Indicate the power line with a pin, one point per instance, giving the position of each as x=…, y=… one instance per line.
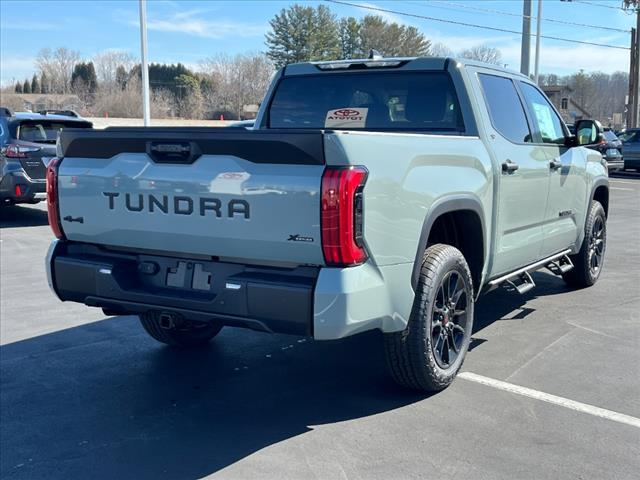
x=472, y=25
x=595, y=4
x=437, y=4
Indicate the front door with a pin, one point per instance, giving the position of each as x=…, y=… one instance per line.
x=523, y=183
x=565, y=210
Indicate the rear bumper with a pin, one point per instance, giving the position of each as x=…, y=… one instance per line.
x=326, y=303
x=631, y=162
x=29, y=190
x=268, y=299
x=614, y=163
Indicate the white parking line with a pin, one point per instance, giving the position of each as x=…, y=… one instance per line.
x=621, y=188
x=546, y=397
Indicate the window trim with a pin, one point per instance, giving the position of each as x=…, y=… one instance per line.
x=522, y=104
x=537, y=133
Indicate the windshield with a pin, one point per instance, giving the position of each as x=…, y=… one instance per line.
x=45, y=131
x=368, y=101
x=610, y=136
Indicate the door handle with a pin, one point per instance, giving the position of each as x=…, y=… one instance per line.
x=555, y=164
x=509, y=167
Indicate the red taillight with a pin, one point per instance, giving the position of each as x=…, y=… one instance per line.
x=14, y=151
x=52, y=198
x=18, y=190
x=342, y=216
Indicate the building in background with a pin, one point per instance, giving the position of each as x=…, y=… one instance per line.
x=561, y=97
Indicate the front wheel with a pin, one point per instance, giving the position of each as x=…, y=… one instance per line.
x=184, y=334
x=428, y=353
x=588, y=262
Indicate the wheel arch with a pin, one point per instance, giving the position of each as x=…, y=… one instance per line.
x=465, y=211
x=600, y=193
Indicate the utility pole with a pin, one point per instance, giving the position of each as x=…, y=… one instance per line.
x=636, y=73
x=525, y=50
x=633, y=102
x=146, y=111
x=632, y=80
x=537, y=61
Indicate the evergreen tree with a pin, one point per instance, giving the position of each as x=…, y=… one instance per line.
x=18, y=87
x=350, y=38
x=44, y=83
x=392, y=39
x=26, y=87
x=121, y=77
x=35, y=85
x=301, y=33
x=84, y=76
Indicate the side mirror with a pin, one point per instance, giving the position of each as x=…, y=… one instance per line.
x=588, y=132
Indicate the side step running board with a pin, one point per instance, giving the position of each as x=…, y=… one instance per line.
x=521, y=279
x=560, y=266
x=523, y=283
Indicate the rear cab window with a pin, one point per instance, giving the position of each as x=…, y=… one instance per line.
x=505, y=108
x=377, y=101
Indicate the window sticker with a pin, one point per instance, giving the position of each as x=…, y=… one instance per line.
x=545, y=122
x=347, y=117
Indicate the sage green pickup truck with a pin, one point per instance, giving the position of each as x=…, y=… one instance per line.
x=382, y=193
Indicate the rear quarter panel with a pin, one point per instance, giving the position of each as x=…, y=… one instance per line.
x=408, y=173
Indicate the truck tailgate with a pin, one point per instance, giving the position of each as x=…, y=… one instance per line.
x=238, y=195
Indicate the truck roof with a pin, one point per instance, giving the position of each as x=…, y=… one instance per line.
x=407, y=63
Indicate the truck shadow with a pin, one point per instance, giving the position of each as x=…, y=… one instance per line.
x=103, y=400
x=22, y=216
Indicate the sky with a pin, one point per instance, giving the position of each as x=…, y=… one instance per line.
x=189, y=31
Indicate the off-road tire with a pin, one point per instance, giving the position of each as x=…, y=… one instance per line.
x=410, y=354
x=583, y=274
x=189, y=334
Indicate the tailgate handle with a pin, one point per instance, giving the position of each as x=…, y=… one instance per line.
x=173, y=152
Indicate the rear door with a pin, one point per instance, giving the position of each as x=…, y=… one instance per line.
x=523, y=180
x=565, y=210
x=233, y=194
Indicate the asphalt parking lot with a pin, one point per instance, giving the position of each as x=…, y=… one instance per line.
x=84, y=396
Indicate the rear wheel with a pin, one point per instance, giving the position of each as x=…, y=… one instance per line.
x=588, y=262
x=178, y=333
x=429, y=352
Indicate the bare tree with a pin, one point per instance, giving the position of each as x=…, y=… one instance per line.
x=57, y=65
x=440, y=50
x=127, y=102
x=236, y=81
x=107, y=63
x=483, y=53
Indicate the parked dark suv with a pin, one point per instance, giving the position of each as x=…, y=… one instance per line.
x=27, y=143
x=631, y=148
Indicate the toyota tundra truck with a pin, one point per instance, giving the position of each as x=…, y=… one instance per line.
x=376, y=194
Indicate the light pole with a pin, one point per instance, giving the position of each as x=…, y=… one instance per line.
x=526, y=38
x=146, y=111
x=537, y=61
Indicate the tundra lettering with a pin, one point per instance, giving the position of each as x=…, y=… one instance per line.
x=413, y=187
x=182, y=205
